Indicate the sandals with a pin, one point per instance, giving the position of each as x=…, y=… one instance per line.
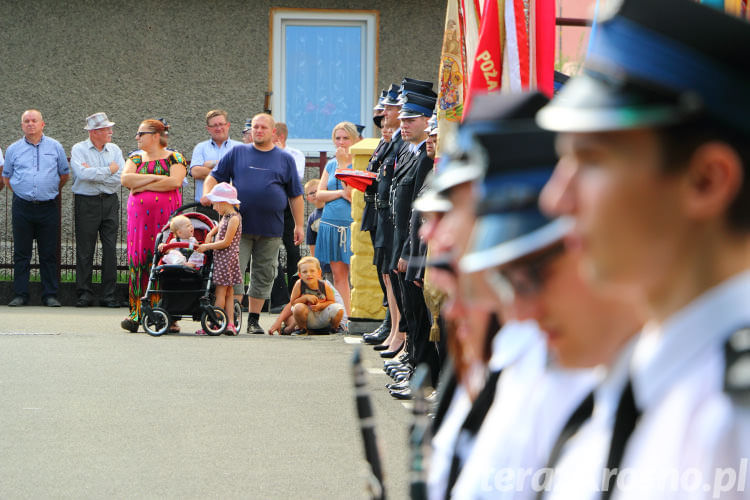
x=200, y=331
x=129, y=324
x=173, y=328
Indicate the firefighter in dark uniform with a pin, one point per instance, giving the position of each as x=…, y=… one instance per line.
x=370, y=218
x=411, y=170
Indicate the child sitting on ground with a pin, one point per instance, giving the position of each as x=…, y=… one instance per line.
x=312, y=300
x=224, y=240
x=284, y=324
x=182, y=229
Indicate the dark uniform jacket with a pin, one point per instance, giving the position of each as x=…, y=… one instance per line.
x=384, y=233
x=407, y=182
x=369, y=213
x=417, y=248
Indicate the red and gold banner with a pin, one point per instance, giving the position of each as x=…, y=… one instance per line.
x=452, y=87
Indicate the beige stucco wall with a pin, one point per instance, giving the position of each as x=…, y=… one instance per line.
x=172, y=59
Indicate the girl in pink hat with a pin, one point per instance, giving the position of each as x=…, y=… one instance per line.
x=226, y=249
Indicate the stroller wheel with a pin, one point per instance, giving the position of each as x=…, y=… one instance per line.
x=214, y=322
x=237, y=315
x=156, y=322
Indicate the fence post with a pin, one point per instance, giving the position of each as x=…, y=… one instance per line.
x=323, y=161
x=58, y=202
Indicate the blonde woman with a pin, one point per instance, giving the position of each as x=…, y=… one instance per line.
x=333, y=244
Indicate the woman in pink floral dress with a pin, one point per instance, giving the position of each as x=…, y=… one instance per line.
x=154, y=176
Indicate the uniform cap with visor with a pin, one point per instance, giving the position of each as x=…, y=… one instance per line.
x=658, y=63
x=519, y=158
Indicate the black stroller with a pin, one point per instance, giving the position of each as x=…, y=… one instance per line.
x=183, y=291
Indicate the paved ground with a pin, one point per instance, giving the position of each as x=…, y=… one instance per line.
x=88, y=410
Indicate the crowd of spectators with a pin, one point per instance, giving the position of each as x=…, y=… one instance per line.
x=267, y=174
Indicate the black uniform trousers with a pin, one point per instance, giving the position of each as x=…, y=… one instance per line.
x=419, y=347
x=96, y=217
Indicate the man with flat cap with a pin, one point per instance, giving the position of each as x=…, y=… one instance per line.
x=96, y=164
x=654, y=139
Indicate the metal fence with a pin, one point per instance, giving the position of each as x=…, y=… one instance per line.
x=66, y=246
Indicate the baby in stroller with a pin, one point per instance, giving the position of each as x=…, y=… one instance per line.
x=182, y=230
x=181, y=282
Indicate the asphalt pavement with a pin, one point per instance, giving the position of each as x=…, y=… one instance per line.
x=88, y=410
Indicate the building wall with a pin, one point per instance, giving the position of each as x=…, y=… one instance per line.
x=172, y=59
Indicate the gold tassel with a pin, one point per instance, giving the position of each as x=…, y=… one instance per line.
x=435, y=329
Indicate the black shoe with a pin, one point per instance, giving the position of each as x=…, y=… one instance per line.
x=391, y=362
x=130, y=325
x=378, y=336
x=83, y=301
x=381, y=347
x=398, y=371
x=254, y=327
x=397, y=386
x=18, y=301
x=391, y=354
x=51, y=301
x=109, y=303
x=403, y=394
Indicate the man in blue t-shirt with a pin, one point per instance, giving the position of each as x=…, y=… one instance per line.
x=266, y=180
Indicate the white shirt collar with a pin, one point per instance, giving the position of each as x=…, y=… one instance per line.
x=225, y=143
x=91, y=145
x=665, y=351
x=512, y=341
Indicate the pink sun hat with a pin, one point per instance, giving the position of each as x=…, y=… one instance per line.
x=223, y=192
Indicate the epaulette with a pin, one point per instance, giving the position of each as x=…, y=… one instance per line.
x=737, y=366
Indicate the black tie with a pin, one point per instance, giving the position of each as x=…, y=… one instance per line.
x=626, y=418
x=471, y=426
x=576, y=420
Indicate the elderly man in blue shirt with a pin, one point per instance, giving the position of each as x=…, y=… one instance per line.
x=96, y=164
x=35, y=170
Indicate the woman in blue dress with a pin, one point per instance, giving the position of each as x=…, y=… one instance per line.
x=334, y=235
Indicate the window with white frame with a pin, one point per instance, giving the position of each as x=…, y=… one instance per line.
x=322, y=72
